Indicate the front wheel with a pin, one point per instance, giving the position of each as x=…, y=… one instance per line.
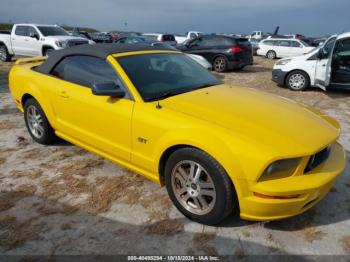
x=297, y=81
x=199, y=187
x=48, y=51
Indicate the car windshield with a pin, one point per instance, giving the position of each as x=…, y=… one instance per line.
x=52, y=30
x=157, y=76
x=304, y=43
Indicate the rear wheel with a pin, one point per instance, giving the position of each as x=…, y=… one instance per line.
x=37, y=124
x=220, y=64
x=4, y=54
x=271, y=54
x=199, y=187
x=297, y=81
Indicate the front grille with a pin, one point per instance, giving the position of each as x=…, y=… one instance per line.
x=317, y=159
x=71, y=43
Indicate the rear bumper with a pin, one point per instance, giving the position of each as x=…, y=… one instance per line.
x=279, y=76
x=310, y=188
x=235, y=62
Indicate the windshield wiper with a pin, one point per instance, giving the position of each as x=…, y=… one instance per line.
x=166, y=95
x=174, y=93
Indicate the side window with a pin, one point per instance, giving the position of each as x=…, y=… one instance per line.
x=85, y=70
x=197, y=42
x=269, y=42
x=21, y=30
x=284, y=43
x=295, y=44
x=328, y=47
x=209, y=41
x=32, y=31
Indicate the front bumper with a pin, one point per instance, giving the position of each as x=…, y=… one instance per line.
x=310, y=188
x=279, y=76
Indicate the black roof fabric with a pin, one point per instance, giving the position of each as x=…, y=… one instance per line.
x=96, y=50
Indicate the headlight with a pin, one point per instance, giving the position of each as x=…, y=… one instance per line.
x=283, y=61
x=60, y=43
x=280, y=168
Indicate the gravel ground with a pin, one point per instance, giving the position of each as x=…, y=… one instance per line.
x=61, y=199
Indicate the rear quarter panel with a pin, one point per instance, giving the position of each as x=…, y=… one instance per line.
x=25, y=81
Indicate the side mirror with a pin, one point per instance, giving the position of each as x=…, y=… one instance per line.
x=33, y=35
x=107, y=89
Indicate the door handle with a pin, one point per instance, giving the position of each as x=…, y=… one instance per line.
x=64, y=94
x=324, y=65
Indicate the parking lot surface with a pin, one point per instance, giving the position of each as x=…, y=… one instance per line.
x=62, y=199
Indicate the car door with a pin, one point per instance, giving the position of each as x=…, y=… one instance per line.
x=99, y=122
x=202, y=46
x=296, y=48
x=323, y=64
x=284, y=49
x=33, y=42
x=19, y=40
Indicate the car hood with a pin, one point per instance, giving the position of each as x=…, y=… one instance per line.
x=261, y=118
x=65, y=37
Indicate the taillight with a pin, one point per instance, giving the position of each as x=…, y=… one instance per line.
x=235, y=49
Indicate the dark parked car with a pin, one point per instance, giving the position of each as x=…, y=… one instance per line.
x=223, y=52
x=138, y=40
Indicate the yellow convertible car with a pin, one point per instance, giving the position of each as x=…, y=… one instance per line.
x=216, y=147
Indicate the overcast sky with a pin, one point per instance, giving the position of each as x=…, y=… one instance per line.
x=310, y=17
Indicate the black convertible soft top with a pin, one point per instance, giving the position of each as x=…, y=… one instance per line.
x=96, y=50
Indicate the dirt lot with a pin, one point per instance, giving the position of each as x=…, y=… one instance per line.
x=64, y=200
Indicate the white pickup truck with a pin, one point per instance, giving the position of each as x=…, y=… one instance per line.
x=189, y=35
x=35, y=40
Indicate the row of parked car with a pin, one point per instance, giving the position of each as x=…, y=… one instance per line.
x=327, y=66
x=222, y=52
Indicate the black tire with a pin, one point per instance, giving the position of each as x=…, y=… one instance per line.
x=47, y=51
x=225, y=195
x=4, y=54
x=47, y=135
x=271, y=54
x=220, y=64
x=297, y=80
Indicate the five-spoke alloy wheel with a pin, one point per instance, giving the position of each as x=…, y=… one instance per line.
x=193, y=187
x=37, y=124
x=199, y=186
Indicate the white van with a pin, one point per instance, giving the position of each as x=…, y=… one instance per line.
x=326, y=67
x=282, y=47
